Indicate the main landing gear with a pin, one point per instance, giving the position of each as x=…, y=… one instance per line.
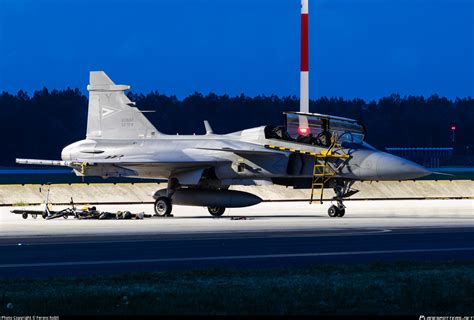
x=163, y=204
x=216, y=211
x=163, y=207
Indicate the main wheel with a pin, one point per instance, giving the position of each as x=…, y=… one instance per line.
x=24, y=215
x=163, y=207
x=333, y=211
x=216, y=211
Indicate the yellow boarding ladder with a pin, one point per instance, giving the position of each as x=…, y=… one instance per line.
x=323, y=169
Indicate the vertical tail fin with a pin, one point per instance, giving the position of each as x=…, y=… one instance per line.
x=111, y=114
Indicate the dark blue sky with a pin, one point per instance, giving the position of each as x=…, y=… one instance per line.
x=358, y=48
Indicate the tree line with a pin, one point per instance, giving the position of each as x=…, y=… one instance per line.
x=40, y=125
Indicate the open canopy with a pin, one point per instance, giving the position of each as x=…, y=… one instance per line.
x=317, y=129
x=313, y=124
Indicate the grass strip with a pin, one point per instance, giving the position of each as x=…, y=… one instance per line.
x=379, y=288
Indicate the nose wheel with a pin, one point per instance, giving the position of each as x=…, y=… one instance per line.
x=342, y=190
x=336, y=211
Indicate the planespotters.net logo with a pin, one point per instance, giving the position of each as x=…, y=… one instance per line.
x=445, y=317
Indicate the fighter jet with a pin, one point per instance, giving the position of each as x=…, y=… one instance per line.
x=308, y=150
x=328, y=151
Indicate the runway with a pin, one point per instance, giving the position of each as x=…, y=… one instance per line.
x=287, y=234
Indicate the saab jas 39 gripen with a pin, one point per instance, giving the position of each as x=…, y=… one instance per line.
x=309, y=150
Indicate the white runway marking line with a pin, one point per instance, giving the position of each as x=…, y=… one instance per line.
x=235, y=236
x=263, y=256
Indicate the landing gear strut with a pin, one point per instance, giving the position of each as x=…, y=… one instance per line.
x=216, y=211
x=342, y=190
x=163, y=204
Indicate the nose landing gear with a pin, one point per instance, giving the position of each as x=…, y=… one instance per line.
x=342, y=189
x=337, y=211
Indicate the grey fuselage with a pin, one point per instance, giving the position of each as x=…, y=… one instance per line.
x=215, y=160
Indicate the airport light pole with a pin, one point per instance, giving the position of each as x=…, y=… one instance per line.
x=304, y=70
x=303, y=127
x=453, y=131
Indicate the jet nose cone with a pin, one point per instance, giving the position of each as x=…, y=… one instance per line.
x=390, y=167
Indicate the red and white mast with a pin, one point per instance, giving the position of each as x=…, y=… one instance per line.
x=304, y=74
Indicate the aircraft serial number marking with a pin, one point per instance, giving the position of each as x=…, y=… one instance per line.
x=127, y=122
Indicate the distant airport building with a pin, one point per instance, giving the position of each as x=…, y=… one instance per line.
x=427, y=157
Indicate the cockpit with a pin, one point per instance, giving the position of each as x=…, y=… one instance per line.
x=317, y=129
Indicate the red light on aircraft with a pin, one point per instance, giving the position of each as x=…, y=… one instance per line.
x=303, y=131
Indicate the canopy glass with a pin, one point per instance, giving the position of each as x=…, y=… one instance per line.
x=318, y=128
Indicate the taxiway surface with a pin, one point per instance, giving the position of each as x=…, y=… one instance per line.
x=278, y=234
